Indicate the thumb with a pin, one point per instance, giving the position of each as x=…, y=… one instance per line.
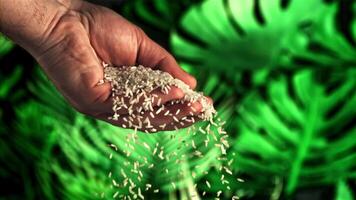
x=153, y=55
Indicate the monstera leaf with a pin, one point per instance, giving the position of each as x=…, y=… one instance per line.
x=230, y=36
x=329, y=42
x=300, y=130
x=156, y=17
x=158, y=14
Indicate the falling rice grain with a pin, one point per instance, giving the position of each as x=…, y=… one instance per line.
x=174, y=185
x=240, y=180
x=137, y=83
x=147, y=146
x=148, y=186
x=207, y=183
x=140, y=194
x=115, y=195
x=228, y=170
x=160, y=155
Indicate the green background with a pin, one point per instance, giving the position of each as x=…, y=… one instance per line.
x=282, y=74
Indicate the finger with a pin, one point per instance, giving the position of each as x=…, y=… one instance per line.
x=172, y=117
x=179, y=111
x=138, y=104
x=185, y=115
x=170, y=127
x=165, y=123
x=210, y=100
x=189, y=120
x=181, y=115
x=153, y=55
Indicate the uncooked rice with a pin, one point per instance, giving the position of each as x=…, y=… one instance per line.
x=133, y=86
x=134, y=82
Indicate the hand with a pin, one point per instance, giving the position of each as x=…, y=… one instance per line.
x=84, y=35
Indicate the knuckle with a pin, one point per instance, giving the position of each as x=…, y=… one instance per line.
x=193, y=83
x=140, y=35
x=210, y=100
x=139, y=31
x=196, y=107
x=177, y=93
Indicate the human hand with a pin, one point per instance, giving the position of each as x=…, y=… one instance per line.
x=80, y=37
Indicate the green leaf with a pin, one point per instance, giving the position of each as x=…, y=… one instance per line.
x=229, y=35
x=5, y=45
x=156, y=14
x=50, y=98
x=343, y=191
x=328, y=42
x=8, y=83
x=298, y=129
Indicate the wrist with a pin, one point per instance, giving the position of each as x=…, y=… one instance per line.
x=29, y=22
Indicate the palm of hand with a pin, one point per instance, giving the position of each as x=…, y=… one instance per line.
x=77, y=44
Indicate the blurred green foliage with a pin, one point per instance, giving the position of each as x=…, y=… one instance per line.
x=5, y=45
x=281, y=73
x=301, y=129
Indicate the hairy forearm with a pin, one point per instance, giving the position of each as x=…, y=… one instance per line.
x=29, y=22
